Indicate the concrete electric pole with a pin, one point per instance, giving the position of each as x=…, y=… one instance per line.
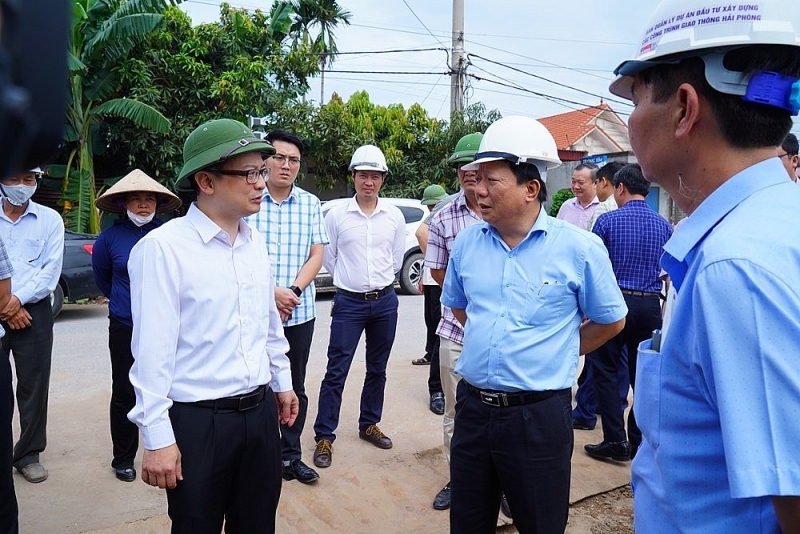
x=457, y=66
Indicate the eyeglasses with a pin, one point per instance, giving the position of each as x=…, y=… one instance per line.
x=281, y=159
x=785, y=154
x=250, y=175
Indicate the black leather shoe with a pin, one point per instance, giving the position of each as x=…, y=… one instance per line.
x=126, y=474
x=437, y=405
x=374, y=435
x=442, y=500
x=300, y=471
x=505, y=507
x=580, y=425
x=619, y=451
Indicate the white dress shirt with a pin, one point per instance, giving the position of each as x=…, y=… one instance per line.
x=364, y=252
x=205, y=325
x=35, y=244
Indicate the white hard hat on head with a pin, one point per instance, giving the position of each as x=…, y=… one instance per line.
x=518, y=140
x=685, y=28
x=368, y=158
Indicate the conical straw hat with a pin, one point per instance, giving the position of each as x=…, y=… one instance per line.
x=113, y=200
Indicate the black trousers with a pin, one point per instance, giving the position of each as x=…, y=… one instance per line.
x=433, y=314
x=9, y=522
x=299, y=337
x=32, y=349
x=644, y=316
x=523, y=451
x=124, y=434
x=231, y=469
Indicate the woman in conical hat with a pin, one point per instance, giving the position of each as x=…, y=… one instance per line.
x=137, y=198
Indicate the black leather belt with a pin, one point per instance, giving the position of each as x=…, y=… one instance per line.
x=369, y=295
x=501, y=399
x=633, y=293
x=238, y=403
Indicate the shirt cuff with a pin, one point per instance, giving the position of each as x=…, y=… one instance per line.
x=158, y=436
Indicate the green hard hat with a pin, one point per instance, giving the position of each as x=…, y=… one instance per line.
x=433, y=194
x=466, y=148
x=214, y=142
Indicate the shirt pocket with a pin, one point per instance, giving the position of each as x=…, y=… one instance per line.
x=262, y=289
x=647, y=395
x=544, y=301
x=32, y=250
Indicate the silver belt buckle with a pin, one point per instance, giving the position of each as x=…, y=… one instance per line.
x=493, y=399
x=372, y=295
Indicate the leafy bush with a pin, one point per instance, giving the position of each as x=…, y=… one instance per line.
x=559, y=198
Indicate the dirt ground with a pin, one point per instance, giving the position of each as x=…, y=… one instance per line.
x=366, y=489
x=608, y=513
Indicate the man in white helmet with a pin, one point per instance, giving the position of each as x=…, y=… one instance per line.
x=367, y=241
x=717, y=397
x=521, y=283
x=34, y=238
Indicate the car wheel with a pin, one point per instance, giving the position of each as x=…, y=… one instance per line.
x=411, y=274
x=57, y=300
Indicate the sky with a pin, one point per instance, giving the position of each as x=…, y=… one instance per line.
x=533, y=58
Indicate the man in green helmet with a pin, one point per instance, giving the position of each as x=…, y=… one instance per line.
x=443, y=227
x=210, y=354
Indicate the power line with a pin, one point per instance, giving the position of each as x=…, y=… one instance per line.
x=423, y=24
x=548, y=80
x=386, y=72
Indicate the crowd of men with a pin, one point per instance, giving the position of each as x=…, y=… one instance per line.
x=221, y=401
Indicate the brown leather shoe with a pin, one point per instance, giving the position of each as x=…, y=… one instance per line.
x=374, y=435
x=323, y=453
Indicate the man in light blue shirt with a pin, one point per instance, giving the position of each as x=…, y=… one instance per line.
x=34, y=237
x=717, y=398
x=521, y=282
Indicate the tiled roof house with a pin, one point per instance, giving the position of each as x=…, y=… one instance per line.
x=587, y=132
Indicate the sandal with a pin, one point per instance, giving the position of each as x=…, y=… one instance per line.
x=421, y=361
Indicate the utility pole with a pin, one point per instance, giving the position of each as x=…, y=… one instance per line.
x=457, y=67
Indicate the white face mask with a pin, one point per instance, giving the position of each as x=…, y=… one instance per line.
x=18, y=195
x=138, y=220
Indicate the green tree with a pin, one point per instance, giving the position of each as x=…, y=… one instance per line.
x=103, y=32
x=324, y=16
x=242, y=65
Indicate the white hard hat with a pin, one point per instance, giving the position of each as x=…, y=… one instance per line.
x=518, y=140
x=685, y=28
x=368, y=158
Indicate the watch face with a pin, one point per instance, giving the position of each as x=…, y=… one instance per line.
x=297, y=290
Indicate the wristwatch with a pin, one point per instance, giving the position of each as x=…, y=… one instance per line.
x=296, y=290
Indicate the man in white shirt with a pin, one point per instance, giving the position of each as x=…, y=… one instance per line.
x=34, y=238
x=367, y=242
x=210, y=354
x=578, y=210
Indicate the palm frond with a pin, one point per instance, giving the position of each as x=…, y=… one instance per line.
x=137, y=112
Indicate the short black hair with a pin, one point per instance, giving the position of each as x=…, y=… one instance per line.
x=286, y=137
x=632, y=178
x=525, y=172
x=744, y=125
x=608, y=171
x=790, y=145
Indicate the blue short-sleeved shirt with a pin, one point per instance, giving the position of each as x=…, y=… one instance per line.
x=524, y=305
x=718, y=407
